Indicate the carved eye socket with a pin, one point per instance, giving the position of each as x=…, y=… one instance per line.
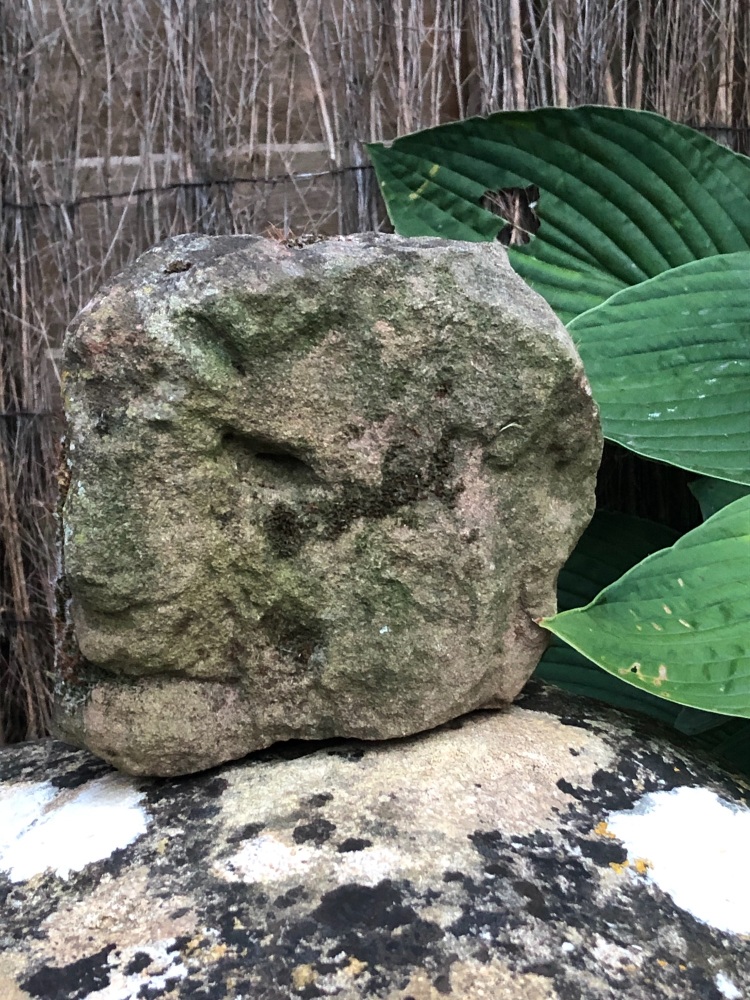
x=267, y=457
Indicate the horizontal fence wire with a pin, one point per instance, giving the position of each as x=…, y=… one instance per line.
x=739, y=131
x=217, y=182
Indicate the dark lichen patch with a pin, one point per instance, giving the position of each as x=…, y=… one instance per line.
x=442, y=984
x=89, y=770
x=320, y=799
x=577, y=723
x=233, y=909
x=565, y=786
x=140, y=961
x=379, y=926
x=317, y=831
x=213, y=787
x=196, y=802
x=55, y=759
x=603, y=852
x=704, y=984
x=453, y=876
x=534, y=902
x=246, y=832
x=290, y=898
x=379, y=907
x=352, y=844
x=71, y=982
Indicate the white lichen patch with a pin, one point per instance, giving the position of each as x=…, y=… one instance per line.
x=696, y=845
x=162, y=974
x=371, y=865
x=20, y=807
x=42, y=827
x=726, y=987
x=267, y=859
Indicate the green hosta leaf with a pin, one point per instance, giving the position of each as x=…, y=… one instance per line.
x=713, y=494
x=568, y=669
x=669, y=365
x=624, y=195
x=678, y=623
x=610, y=545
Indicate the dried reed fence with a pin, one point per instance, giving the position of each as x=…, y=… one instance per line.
x=125, y=121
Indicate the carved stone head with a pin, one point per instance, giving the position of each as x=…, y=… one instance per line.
x=313, y=491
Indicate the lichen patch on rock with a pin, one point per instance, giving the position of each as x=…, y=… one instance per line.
x=42, y=827
x=691, y=841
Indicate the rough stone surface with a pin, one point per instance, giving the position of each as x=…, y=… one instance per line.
x=313, y=492
x=507, y=856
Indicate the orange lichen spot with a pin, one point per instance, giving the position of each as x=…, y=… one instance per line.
x=302, y=976
x=602, y=830
x=193, y=944
x=662, y=962
x=619, y=866
x=642, y=865
x=355, y=967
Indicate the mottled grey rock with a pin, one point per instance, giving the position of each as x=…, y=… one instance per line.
x=314, y=492
x=553, y=851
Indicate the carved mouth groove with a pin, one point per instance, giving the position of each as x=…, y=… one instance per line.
x=284, y=461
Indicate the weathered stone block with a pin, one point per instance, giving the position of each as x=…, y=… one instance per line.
x=313, y=492
x=553, y=852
